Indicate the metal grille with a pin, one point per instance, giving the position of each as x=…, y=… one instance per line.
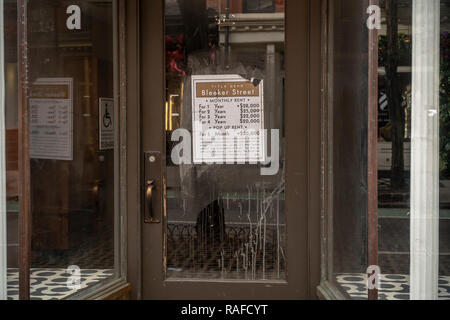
x=245, y=252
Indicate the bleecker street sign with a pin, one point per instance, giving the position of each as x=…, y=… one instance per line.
x=228, y=119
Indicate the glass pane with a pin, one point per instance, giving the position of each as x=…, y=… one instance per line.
x=258, y=6
x=413, y=151
x=71, y=63
x=394, y=147
x=11, y=136
x=444, y=183
x=399, y=130
x=348, y=157
x=225, y=90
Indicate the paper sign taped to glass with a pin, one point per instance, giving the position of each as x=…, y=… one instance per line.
x=51, y=119
x=227, y=119
x=207, y=175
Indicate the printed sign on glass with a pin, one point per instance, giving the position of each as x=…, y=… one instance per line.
x=51, y=119
x=228, y=119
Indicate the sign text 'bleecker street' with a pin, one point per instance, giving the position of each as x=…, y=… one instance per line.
x=226, y=89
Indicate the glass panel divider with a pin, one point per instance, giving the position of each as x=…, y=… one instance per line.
x=3, y=239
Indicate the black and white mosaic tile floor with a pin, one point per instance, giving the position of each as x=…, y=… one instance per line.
x=51, y=284
x=393, y=286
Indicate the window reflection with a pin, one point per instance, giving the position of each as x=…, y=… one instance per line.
x=394, y=149
x=444, y=181
x=259, y=6
x=11, y=141
x=224, y=221
x=347, y=159
x=72, y=163
x=396, y=129
x=394, y=140
x=73, y=217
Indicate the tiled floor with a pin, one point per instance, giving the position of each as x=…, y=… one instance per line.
x=51, y=284
x=393, y=286
x=91, y=246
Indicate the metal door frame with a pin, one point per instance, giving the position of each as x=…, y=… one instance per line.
x=303, y=123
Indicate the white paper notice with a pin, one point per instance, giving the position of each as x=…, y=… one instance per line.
x=106, y=124
x=228, y=119
x=51, y=119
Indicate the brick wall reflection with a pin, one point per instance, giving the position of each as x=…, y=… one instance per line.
x=241, y=6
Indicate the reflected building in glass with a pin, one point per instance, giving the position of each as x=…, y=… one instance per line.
x=224, y=149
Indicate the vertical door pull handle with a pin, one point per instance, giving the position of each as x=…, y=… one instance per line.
x=149, y=214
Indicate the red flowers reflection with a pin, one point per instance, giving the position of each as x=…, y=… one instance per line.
x=175, y=55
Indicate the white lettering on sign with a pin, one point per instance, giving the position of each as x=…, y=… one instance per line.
x=228, y=120
x=74, y=20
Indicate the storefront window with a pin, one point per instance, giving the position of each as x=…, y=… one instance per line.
x=259, y=6
x=225, y=221
x=3, y=215
x=412, y=187
x=347, y=159
x=10, y=135
x=412, y=152
x=444, y=148
x=394, y=147
x=66, y=69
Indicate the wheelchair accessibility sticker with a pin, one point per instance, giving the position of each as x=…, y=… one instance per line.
x=106, y=124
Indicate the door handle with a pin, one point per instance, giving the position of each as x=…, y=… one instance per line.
x=151, y=189
x=149, y=216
